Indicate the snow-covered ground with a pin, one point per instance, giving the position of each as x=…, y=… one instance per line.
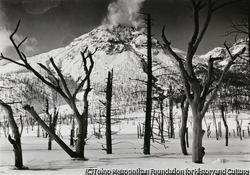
x=128, y=153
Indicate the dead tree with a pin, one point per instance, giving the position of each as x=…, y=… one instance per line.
x=184, y=129
x=152, y=83
x=224, y=121
x=21, y=125
x=171, y=117
x=197, y=92
x=46, y=128
x=61, y=87
x=147, y=136
x=239, y=126
x=215, y=124
x=108, y=113
x=161, y=98
x=16, y=142
x=72, y=133
x=52, y=122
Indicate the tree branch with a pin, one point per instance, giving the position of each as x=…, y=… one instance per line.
x=17, y=47
x=193, y=45
x=22, y=42
x=87, y=72
x=13, y=61
x=183, y=71
x=29, y=67
x=54, y=79
x=217, y=87
x=51, y=133
x=61, y=78
x=13, y=125
x=209, y=76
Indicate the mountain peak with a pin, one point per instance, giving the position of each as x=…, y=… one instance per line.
x=114, y=39
x=115, y=45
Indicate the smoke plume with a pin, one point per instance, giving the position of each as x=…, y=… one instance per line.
x=124, y=12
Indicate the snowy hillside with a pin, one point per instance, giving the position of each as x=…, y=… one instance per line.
x=222, y=52
x=119, y=48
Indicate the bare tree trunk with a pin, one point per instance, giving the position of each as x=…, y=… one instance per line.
x=184, y=111
x=187, y=137
x=50, y=122
x=82, y=121
x=72, y=133
x=108, y=113
x=248, y=131
x=162, y=122
x=38, y=130
x=171, y=112
x=16, y=142
x=198, y=150
x=21, y=125
x=219, y=129
x=239, y=125
x=147, y=136
x=215, y=125
x=49, y=143
x=80, y=143
x=225, y=123
x=53, y=135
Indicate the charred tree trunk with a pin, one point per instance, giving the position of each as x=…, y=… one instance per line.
x=225, y=123
x=86, y=122
x=184, y=129
x=162, y=122
x=108, y=113
x=171, y=117
x=215, y=125
x=16, y=142
x=147, y=136
x=50, y=121
x=49, y=143
x=198, y=150
x=83, y=122
x=72, y=133
x=53, y=135
x=80, y=142
x=187, y=137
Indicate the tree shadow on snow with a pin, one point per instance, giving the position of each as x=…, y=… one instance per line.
x=43, y=169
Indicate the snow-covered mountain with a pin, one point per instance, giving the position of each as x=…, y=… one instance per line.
x=119, y=48
x=222, y=52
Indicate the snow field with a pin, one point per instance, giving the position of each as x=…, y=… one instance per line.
x=127, y=152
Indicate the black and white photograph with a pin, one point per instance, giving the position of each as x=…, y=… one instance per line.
x=124, y=87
